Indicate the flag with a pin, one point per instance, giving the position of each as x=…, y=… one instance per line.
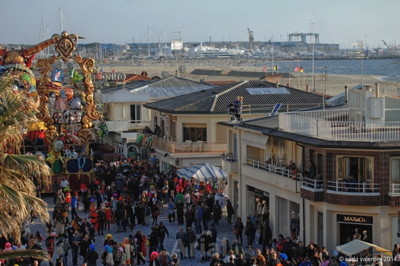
x=265, y=68
x=297, y=69
x=301, y=69
x=275, y=68
x=75, y=76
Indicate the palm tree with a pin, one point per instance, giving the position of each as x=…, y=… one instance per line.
x=17, y=171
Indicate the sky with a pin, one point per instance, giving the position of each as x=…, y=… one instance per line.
x=345, y=22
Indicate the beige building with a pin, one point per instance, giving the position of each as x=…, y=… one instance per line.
x=124, y=111
x=186, y=127
x=354, y=182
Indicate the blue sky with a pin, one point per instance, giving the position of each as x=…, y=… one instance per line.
x=120, y=21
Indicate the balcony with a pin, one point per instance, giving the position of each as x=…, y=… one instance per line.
x=276, y=169
x=278, y=175
x=394, y=194
x=126, y=125
x=335, y=125
x=312, y=189
x=188, y=147
x=229, y=164
x=348, y=188
x=394, y=189
x=312, y=184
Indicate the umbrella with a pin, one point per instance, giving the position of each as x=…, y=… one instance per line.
x=203, y=173
x=356, y=246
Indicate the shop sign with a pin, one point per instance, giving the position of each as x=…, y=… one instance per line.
x=354, y=219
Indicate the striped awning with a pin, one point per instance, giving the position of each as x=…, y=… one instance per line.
x=203, y=173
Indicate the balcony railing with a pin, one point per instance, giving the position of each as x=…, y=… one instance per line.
x=394, y=189
x=363, y=188
x=188, y=147
x=125, y=125
x=312, y=184
x=335, y=125
x=254, y=108
x=276, y=169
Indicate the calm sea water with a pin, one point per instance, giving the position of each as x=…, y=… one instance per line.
x=388, y=69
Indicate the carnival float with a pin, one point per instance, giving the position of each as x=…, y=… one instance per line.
x=63, y=88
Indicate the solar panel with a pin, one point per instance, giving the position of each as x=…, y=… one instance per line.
x=271, y=90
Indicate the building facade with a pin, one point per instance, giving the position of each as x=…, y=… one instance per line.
x=323, y=174
x=186, y=128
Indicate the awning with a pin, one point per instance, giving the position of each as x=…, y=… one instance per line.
x=356, y=246
x=203, y=173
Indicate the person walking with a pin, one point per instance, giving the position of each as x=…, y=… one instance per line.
x=92, y=256
x=238, y=230
x=162, y=231
x=171, y=211
x=230, y=211
x=181, y=239
x=189, y=241
x=76, y=241
x=250, y=231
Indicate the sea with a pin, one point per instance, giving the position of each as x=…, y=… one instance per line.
x=386, y=69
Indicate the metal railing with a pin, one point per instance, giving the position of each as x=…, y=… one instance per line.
x=171, y=146
x=335, y=125
x=252, y=108
x=276, y=169
x=125, y=125
x=362, y=188
x=312, y=184
x=394, y=189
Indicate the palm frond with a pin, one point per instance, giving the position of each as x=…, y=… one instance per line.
x=15, y=208
x=17, y=189
x=27, y=253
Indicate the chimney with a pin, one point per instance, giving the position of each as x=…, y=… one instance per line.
x=307, y=88
x=346, y=94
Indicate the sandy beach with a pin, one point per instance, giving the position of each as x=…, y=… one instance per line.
x=329, y=84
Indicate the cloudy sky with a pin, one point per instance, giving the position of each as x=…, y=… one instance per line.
x=120, y=21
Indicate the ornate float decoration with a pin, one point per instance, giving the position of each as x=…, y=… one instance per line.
x=66, y=104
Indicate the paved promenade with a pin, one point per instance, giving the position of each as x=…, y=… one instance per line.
x=224, y=230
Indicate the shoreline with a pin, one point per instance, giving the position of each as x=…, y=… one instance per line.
x=330, y=84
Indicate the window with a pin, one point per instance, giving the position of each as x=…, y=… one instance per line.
x=135, y=112
x=395, y=169
x=194, y=132
x=361, y=168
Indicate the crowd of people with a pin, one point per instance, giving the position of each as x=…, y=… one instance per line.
x=128, y=196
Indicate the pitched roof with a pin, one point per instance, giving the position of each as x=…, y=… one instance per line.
x=160, y=89
x=259, y=95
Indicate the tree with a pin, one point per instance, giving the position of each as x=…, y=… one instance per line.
x=17, y=171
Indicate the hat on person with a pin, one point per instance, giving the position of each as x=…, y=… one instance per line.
x=283, y=256
x=8, y=245
x=92, y=247
x=108, y=236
